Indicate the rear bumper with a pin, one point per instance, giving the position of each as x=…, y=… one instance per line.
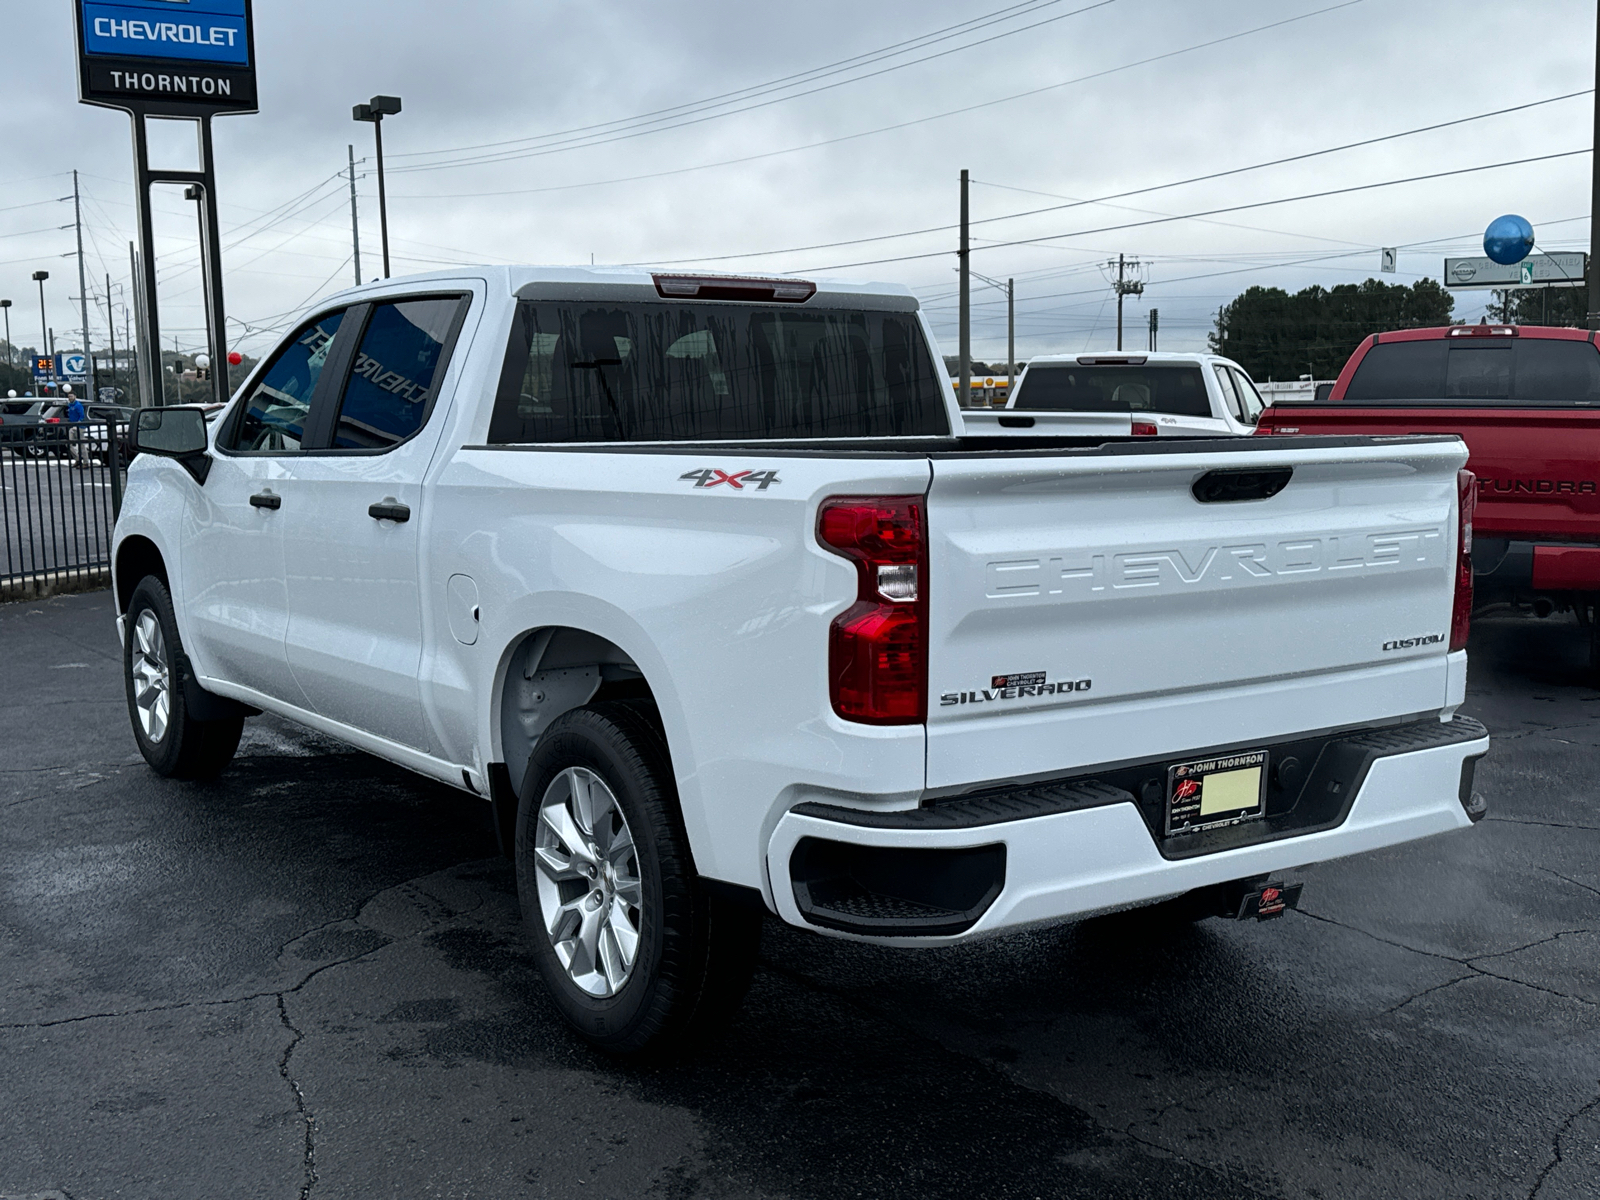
x=1506, y=569
x=1072, y=850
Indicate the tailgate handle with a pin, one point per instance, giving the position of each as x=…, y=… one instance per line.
x=1225, y=486
x=1017, y=422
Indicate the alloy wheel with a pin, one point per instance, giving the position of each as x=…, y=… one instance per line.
x=588, y=876
x=152, y=677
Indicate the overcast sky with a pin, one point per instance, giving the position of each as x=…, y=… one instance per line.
x=794, y=170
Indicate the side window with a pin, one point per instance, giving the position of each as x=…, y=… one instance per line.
x=274, y=417
x=1250, y=401
x=1230, y=392
x=396, y=372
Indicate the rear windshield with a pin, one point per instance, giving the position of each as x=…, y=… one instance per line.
x=1178, y=388
x=604, y=372
x=1511, y=370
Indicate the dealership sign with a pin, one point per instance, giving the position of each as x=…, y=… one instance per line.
x=182, y=58
x=1537, y=270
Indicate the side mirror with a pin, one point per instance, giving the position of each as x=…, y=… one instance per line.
x=170, y=432
x=178, y=432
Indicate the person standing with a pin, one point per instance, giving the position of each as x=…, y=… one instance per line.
x=76, y=417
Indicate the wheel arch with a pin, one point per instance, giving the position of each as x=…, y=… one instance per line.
x=551, y=670
x=137, y=556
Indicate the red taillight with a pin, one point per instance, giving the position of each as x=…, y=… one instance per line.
x=52, y=420
x=877, y=648
x=1145, y=429
x=1461, y=612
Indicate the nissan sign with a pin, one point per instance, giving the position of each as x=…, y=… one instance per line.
x=1537, y=270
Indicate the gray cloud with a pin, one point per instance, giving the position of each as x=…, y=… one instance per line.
x=482, y=71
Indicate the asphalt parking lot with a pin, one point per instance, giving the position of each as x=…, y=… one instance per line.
x=307, y=979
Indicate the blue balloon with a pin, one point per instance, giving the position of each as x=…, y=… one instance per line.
x=1509, y=239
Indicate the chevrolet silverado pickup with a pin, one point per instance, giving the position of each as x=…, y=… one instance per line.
x=695, y=581
x=1154, y=394
x=1527, y=402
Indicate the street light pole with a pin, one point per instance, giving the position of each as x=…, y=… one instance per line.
x=44, y=329
x=5, y=307
x=374, y=112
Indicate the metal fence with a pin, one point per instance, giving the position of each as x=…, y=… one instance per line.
x=60, y=490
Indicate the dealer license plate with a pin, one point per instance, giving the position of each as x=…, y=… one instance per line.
x=1210, y=792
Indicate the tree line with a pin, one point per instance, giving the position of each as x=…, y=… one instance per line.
x=1274, y=335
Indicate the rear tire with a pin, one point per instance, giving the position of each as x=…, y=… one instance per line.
x=635, y=952
x=153, y=666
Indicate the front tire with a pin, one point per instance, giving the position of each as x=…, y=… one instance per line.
x=174, y=744
x=634, y=951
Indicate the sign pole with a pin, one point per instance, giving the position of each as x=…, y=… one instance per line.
x=211, y=265
x=144, y=281
x=193, y=67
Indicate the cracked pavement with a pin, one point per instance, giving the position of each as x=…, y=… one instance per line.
x=307, y=980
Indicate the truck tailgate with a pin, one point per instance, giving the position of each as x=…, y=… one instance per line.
x=1087, y=609
x=1538, y=469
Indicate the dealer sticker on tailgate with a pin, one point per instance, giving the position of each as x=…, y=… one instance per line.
x=1216, y=791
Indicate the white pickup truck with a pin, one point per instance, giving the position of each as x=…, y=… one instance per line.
x=690, y=579
x=1154, y=394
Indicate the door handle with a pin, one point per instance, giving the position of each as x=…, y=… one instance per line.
x=266, y=500
x=389, y=510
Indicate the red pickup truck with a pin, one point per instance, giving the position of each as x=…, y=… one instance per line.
x=1526, y=400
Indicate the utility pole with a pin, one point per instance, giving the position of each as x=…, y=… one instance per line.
x=1155, y=326
x=83, y=290
x=1011, y=335
x=127, y=340
x=5, y=307
x=355, y=228
x=1125, y=287
x=964, y=375
x=1594, y=202
x=111, y=331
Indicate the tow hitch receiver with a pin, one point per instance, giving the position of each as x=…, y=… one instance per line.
x=1270, y=899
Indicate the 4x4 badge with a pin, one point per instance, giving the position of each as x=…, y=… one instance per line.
x=710, y=477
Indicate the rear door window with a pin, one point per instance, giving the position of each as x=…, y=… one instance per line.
x=1250, y=400
x=273, y=417
x=1400, y=371
x=1503, y=369
x=639, y=372
x=1230, y=391
x=1176, y=388
x=1550, y=371
x=396, y=372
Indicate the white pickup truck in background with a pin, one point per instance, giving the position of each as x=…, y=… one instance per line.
x=698, y=582
x=1126, y=394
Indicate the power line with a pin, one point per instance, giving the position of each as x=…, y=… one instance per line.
x=1210, y=212
x=725, y=98
x=584, y=143
x=1106, y=200
x=901, y=124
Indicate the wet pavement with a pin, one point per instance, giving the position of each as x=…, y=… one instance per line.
x=307, y=979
